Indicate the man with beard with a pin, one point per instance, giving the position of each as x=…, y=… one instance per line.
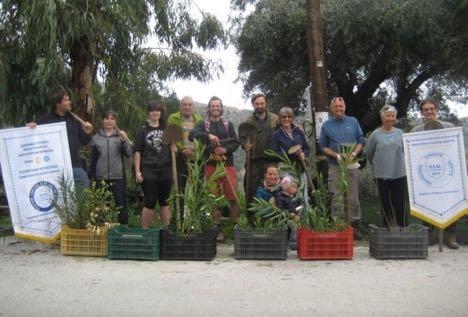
x=221, y=141
x=255, y=137
x=430, y=112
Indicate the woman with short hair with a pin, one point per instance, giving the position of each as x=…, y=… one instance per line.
x=385, y=154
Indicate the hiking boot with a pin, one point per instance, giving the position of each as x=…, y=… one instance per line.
x=450, y=241
x=357, y=230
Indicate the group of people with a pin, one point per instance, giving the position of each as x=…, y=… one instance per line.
x=261, y=131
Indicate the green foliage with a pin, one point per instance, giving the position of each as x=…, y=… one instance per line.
x=90, y=208
x=317, y=217
x=376, y=51
x=267, y=217
x=79, y=40
x=198, y=197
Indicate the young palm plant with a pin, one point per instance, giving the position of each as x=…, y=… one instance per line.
x=198, y=196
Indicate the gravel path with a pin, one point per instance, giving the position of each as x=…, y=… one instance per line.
x=37, y=281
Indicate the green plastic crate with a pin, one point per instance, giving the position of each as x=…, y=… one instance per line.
x=133, y=243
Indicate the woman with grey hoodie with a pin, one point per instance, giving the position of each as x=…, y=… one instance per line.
x=108, y=147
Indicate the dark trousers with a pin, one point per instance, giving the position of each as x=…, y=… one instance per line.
x=119, y=191
x=254, y=180
x=393, y=201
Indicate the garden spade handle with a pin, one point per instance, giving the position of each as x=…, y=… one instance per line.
x=293, y=149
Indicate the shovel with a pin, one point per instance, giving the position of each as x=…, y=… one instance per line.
x=293, y=149
x=172, y=135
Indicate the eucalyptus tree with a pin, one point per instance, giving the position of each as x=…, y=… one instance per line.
x=97, y=49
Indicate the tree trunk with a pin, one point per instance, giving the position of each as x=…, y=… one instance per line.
x=82, y=57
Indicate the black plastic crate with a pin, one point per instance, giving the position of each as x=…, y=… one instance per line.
x=200, y=246
x=402, y=243
x=133, y=243
x=254, y=245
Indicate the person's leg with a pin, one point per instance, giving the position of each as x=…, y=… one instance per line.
x=337, y=202
x=229, y=183
x=255, y=178
x=385, y=202
x=149, y=200
x=118, y=189
x=292, y=236
x=353, y=208
x=398, y=200
x=81, y=178
x=353, y=205
x=163, y=189
x=146, y=217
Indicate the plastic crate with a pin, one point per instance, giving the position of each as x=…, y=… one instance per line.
x=313, y=245
x=133, y=243
x=406, y=243
x=188, y=247
x=83, y=242
x=251, y=244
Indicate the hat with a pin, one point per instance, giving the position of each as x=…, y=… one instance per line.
x=286, y=182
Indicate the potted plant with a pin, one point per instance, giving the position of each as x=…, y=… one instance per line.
x=320, y=236
x=86, y=216
x=396, y=242
x=266, y=238
x=195, y=238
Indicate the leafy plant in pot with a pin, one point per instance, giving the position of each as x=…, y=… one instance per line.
x=265, y=238
x=86, y=216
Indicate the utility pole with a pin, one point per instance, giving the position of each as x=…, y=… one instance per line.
x=318, y=79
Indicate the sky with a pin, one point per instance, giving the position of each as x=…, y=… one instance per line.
x=226, y=87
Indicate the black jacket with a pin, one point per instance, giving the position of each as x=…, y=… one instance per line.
x=76, y=136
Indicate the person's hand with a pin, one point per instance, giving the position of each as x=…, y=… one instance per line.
x=31, y=124
x=214, y=140
x=300, y=155
x=248, y=146
x=220, y=150
x=174, y=148
x=123, y=136
x=87, y=127
x=138, y=177
x=338, y=158
x=187, y=152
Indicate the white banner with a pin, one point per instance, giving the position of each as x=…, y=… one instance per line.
x=436, y=174
x=32, y=161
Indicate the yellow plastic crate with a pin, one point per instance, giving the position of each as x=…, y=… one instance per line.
x=83, y=242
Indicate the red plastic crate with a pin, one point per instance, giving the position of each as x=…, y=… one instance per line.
x=325, y=245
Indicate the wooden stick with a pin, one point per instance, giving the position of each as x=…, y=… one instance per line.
x=81, y=121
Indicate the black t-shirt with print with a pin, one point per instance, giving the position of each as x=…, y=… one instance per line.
x=154, y=154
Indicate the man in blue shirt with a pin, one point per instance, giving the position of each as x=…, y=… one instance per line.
x=336, y=134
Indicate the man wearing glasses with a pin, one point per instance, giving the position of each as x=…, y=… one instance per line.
x=339, y=132
x=430, y=112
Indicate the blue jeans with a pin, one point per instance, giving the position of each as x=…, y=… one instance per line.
x=81, y=178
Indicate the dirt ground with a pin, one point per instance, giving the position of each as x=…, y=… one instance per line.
x=36, y=280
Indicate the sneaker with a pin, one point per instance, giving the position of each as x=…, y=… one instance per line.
x=293, y=246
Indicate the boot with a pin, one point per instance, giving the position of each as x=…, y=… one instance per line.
x=357, y=230
x=450, y=241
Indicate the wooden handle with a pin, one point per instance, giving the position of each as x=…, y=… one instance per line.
x=81, y=121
